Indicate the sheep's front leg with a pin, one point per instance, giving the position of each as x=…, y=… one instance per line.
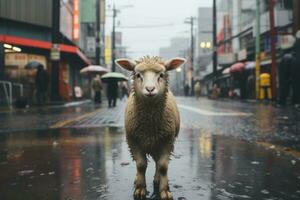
x=162, y=175
x=140, y=180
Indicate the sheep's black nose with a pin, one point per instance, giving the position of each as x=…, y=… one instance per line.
x=150, y=89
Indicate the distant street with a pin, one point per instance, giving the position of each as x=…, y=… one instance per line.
x=225, y=150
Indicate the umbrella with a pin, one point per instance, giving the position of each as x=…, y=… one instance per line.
x=33, y=65
x=114, y=76
x=226, y=71
x=250, y=65
x=94, y=69
x=237, y=67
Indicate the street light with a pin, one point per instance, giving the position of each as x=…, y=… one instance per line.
x=178, y=69
x=205, y=45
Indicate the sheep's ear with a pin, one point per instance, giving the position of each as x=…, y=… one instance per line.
x=126, y=64
x=174, y=63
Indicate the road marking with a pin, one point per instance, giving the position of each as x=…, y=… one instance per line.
x=280, y=149
x=75, y=119
x=211, y=113
x=76, y=103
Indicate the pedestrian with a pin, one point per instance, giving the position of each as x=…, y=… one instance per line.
x=41, y=82
x=296, y=72
x=215, y=91
x=197, y=89
x=186, y=89
x=112, y=93
x=97, y=87
x=285, y=75
x=251, y=86
x=124, y=89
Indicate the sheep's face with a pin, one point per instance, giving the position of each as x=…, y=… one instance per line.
x=150, y=80
x=150, y=74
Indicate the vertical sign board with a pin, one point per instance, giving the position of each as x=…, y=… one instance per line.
x=102, y=11
x=76, y=24
x=118, y=38
x=90, y=45
x=55, y=52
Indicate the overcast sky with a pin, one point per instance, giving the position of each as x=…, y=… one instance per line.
x=168, y=13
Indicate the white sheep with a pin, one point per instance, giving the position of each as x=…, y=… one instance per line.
x=151, y=120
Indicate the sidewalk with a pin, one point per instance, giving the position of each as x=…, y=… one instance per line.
x=77, y=114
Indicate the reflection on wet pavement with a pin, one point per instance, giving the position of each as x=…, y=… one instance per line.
x=279, y=126
x=92, y=164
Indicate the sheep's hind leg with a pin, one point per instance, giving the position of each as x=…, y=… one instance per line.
x=156, y=179
x=140, y=180
x=162, y=168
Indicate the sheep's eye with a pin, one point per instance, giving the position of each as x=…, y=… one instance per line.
x=161, y=75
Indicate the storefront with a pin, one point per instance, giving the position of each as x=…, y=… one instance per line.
x=18, y=52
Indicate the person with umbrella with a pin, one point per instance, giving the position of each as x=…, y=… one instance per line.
x=112, y=79
x=97, y=87
x=41, y=82
x=96, y=83
x=112, y=93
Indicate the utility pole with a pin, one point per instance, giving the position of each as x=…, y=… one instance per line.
x=192, y=56
x=257, y=49
x=2, y=60
x=191, y=22
x=296, y=16
x=98, y=50
x=113, y=40
x=215, y=46
x=55, y=43
x=273, y=47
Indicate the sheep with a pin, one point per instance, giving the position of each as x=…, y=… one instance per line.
x=151, y=120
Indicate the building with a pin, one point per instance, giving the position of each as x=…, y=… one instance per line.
x=236, y=22
x=88, y=28
x=179, y=46
x=203, y=47
x=45, y=31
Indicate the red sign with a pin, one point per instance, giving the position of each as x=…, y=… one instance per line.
x=76, y=24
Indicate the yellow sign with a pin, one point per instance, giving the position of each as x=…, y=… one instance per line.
x=107, y=49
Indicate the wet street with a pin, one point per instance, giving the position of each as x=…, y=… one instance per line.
x=225, y=150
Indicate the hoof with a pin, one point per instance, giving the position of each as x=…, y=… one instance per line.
x=140, y=193
x=166, y=195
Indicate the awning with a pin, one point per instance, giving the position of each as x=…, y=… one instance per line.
x=250, y=65
x=43, y=45
x=237, y=67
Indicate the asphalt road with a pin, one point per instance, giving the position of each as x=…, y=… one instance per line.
x=225, y=150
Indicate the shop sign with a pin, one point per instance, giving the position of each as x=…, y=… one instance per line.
x=227, y=58
x=76, y=22
x=55, y=52
x=16, y=59
x=118, y=38
x=242, y=55
x=102, y=11
x=21, y=59
x=90, y=44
